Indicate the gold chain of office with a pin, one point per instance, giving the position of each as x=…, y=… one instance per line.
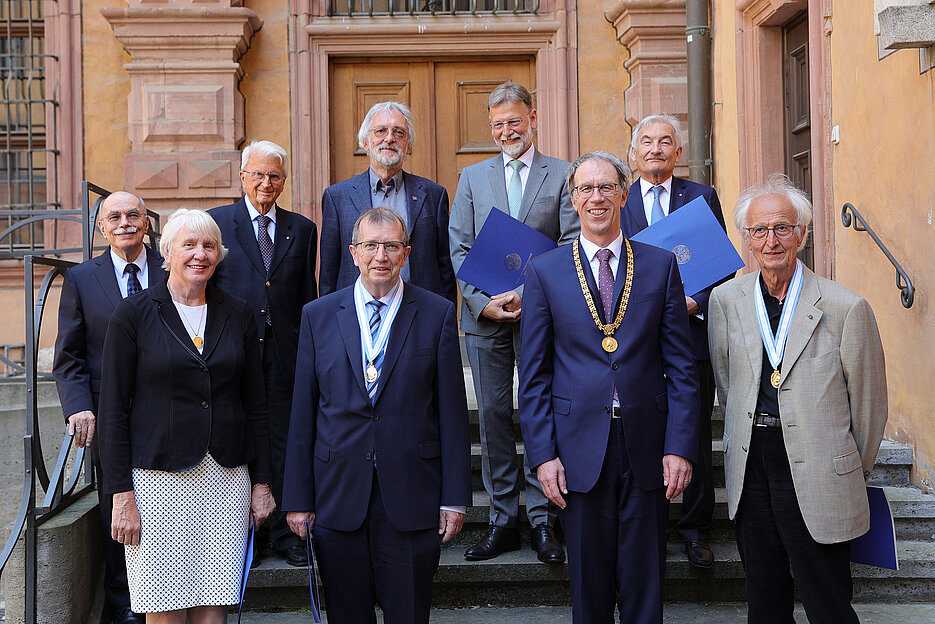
x=609, y=344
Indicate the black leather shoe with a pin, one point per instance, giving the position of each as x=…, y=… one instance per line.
x=546, y=546
x=297, y=556
x=699, y=553
x=257, y=558
x=497, y=541
x=126, y=616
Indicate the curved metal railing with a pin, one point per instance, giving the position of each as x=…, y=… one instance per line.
x=903, y=283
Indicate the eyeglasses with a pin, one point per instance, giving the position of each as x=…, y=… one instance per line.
x=398, y=133
x=369, y=248
x=783, y=231
x=586, y=190
x=512, y=124
x=259, y=176
x=133, y=216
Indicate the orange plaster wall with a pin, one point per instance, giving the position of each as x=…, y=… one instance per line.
x=602, y=81
x=883, y=165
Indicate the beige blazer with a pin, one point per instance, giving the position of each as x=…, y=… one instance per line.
x=832, y=397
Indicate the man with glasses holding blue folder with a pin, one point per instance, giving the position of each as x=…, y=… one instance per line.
x=530, y=186
x=656, y=148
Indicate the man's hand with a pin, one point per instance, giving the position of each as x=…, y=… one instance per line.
x=81, y=425
x=449, y=524
x=505, y=307
x=262, y=503
x=125, y=519
x=296, y=521
x=552, y=479
x=692, y=305
x=676, y=474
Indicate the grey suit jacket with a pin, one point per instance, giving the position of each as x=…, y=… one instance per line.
x=546, y=207
x=832, y=397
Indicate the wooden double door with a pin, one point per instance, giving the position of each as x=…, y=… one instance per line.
x=448, y=98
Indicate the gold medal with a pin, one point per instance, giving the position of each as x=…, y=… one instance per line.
x=775, y=378
x=609, y=344
x=371, y=373
x=199, y=341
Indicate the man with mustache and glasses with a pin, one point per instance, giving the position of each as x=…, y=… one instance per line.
x=271, y=265
x=656, y=147
x=90, y=293
x=388, y=134
x=529, y=186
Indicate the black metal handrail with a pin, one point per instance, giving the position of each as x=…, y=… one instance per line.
x=370, y=8
x=903, y=283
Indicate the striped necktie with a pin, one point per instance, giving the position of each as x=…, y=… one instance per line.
x=375, y=307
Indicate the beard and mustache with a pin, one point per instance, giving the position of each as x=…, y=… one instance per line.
x=516, y=150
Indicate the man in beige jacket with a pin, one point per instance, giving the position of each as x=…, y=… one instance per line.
x=800, y=375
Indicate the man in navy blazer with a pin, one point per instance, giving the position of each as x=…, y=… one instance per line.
x=608, y=398
x=387, y=134
x=378, y=461
x=656, y=147
x=271, y=265
x=90, y=293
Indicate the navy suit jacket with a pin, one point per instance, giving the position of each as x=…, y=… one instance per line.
x=429, y=261
x=89, y=295
x=633, y=220
x=415, y=434
x=290, y=283
x=566, y=379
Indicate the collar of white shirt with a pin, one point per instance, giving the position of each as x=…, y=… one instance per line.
x=254, y=213
x=591, y=249
x=527, y=158
x=646, y=186
x=120, y=265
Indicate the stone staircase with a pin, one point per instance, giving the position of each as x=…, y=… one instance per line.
x=518, y=579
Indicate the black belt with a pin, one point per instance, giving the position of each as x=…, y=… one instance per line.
x=762, y=419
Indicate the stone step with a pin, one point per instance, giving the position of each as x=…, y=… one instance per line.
x=679, y=612
x=893, y=465
x=13, y=394
x=518, y=579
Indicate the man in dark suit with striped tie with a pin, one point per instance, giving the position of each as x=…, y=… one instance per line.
x=656, y=147
x=89, y=295
x=271, y=265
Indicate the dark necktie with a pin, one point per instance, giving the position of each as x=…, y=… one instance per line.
x=387, y=188
x=605, y=286
x=375, y=319
x=133, y=282
x=265, y=242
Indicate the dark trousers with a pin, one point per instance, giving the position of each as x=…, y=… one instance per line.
x=377, y=564
x=279, y=404
x=116, y=591
x=772, y=536
x=698, y=497
x=616, y=544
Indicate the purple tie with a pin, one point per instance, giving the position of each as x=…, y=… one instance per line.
x=605, y=283
x=264, y=240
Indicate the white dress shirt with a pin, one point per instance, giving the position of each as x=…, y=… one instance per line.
x=123, y=278
x=646, y=192
x=254, y=213
x=508, y=172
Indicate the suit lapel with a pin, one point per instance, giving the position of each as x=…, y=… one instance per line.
x=107, y=278
x=284, y=238
x=804, y=321
x=634, y=207
x=415, y=199
x=589, y=277
x=498, y=184
x=677, y=198
x=170, y=316
x=154, y=264
x=246, y=237
x=534, y=182
x=746, y=309
x=350, y=332
x=216, y=321
x=398, y=334
x=360, y=198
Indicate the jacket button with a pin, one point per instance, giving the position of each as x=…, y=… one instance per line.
x=261, y=341
x=606, y=410
x=263, y=312
x=203, y=367
x=267, y=284
x=614, y=366
x=204, y=404
x=744, y=448
x=375, y=417
x=368, y=456
x=749, y=414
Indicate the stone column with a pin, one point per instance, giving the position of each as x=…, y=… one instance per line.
x=654, y=32
x=185, y=114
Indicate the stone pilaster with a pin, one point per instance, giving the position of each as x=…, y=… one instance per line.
x=185, y=114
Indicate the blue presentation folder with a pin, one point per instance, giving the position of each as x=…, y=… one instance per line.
x=693, y=234
x=502, y=249
x=877, y=547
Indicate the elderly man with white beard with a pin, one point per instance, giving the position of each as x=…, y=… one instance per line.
x=388, y=135
x=529, y=186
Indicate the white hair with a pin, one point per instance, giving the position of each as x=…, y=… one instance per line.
x=262, y=148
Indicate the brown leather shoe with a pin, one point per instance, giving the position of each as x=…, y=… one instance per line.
x=497, y=541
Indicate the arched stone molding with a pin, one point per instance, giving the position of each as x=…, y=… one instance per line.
x=318, y=38
x=185, y=114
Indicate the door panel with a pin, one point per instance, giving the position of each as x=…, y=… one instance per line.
x=798, y=134
x=448, y=98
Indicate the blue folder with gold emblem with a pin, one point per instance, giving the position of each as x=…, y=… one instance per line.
x=877, y=547
x=504, y=246
x=702, y=249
